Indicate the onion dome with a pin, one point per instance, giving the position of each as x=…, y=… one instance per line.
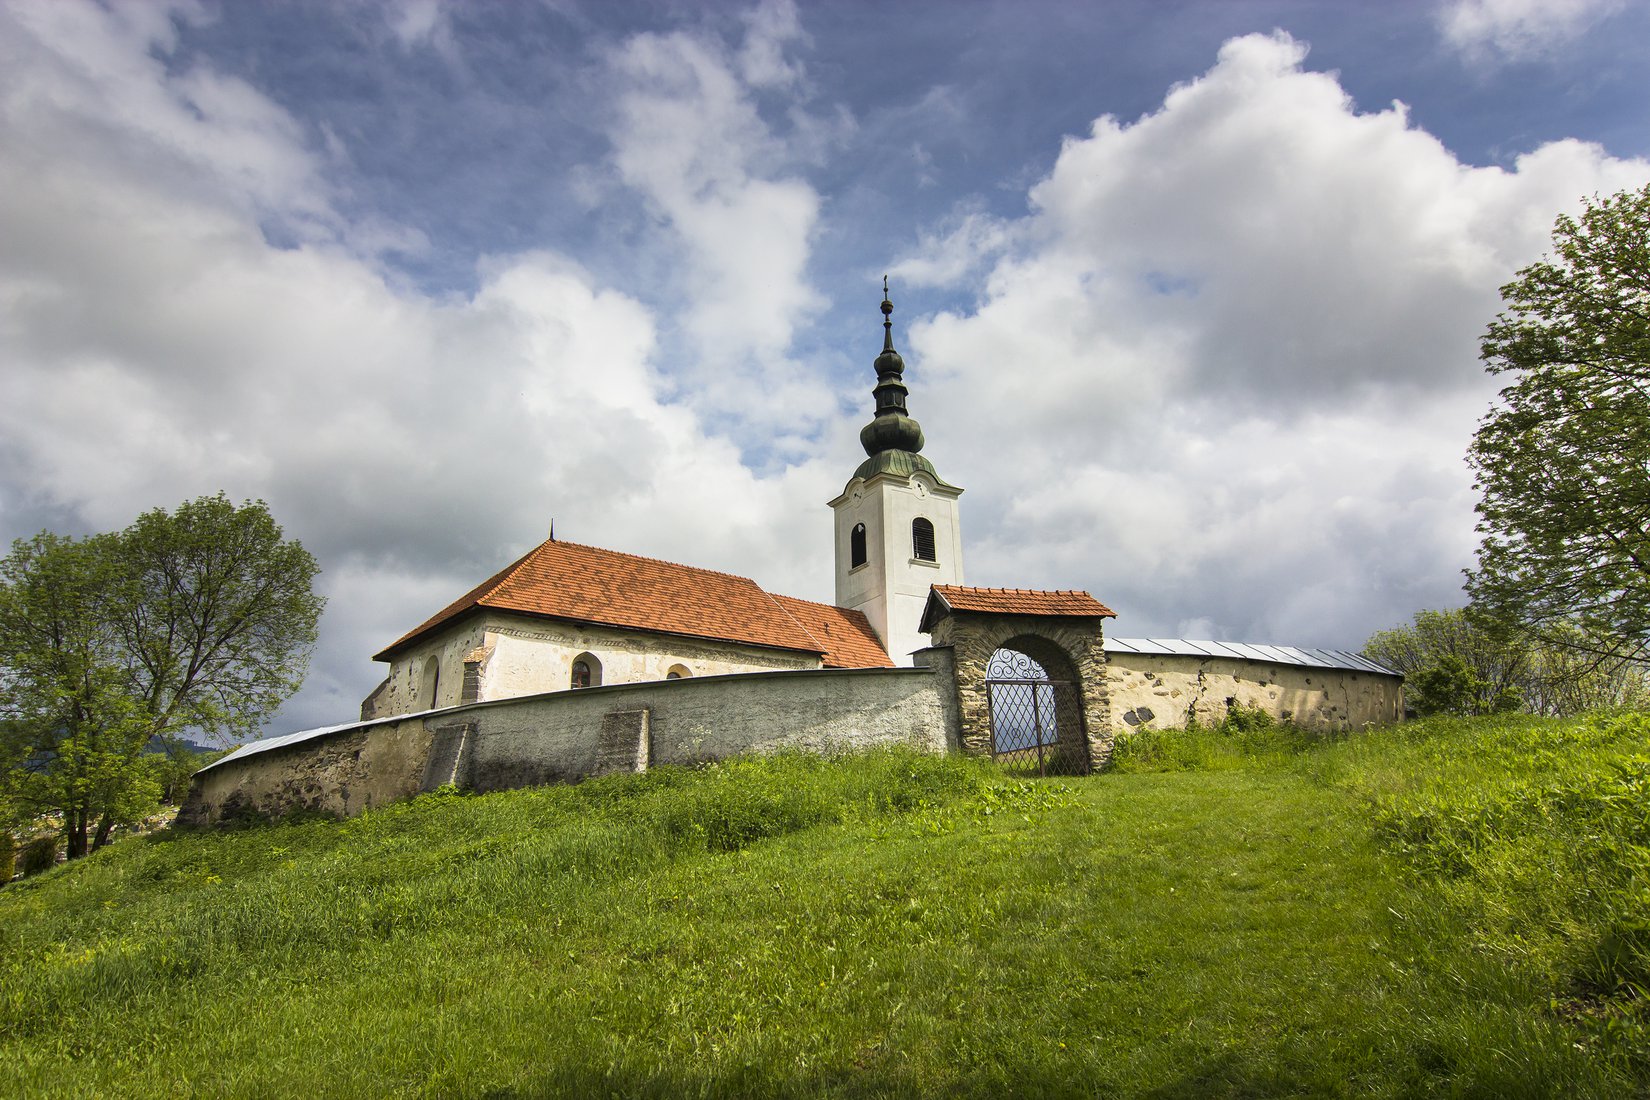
x=892, y=429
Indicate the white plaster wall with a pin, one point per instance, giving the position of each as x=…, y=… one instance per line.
x=525, y=656
x=406, y=687
x=891, y=588
x=529, y=656
x=1165, y=690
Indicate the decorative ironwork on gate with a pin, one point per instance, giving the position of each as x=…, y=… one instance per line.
x=1036, y=722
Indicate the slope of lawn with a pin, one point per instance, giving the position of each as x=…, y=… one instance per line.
x=1451, y=908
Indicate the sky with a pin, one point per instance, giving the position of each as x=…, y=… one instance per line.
x=1189, y=294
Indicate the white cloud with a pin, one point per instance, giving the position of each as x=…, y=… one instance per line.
x=158, y=346
x=689, y=138
x=82, y=78
x=771, y=26
x=1232, y=351
x=1221, y=373
x=1519, y=29
x=954, y=249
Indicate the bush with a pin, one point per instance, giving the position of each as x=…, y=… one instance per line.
x=8, y=858
x=39, y=854
x=1149, y=749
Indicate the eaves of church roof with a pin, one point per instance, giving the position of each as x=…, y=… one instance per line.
x=587, y=584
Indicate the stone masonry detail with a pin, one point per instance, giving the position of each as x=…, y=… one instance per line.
x=974, y=636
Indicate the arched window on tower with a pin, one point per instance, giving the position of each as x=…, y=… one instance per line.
x=922, y=540
x=856, y=546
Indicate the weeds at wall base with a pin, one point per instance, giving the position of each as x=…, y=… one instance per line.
x=1244, y=735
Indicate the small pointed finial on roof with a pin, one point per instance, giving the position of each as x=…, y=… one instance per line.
x=552, y=528
x=887, y=319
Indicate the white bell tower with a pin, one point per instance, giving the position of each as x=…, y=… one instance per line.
x=897, y=530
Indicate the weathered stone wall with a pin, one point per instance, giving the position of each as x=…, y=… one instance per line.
x=568, y=735
x=1165, y=690
x=940, y=705
x=502, y=656
x=557, y=737
x=1067, y=648
x=353, y=769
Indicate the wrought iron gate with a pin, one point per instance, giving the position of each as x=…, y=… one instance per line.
x=1036, y=722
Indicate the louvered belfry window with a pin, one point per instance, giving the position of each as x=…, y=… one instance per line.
x=922, y=540
x=856, y=546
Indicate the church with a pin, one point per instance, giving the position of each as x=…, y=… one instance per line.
x=575, y=661
x=568, y=616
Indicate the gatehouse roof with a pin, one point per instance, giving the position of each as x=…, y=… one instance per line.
x=587, y=584
x=946, y=598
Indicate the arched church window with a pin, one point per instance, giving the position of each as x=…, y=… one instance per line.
x=922, y=540
x=587, y=671
x=856, y=546
x=678, y=672
x=431, y=677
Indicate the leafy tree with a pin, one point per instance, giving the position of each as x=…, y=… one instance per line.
x=221, y=620
x=1482, y=665
x=1462, y=662
x=1563, y=461
x=1575, y=674
x=1450, y=687
x=202, y=619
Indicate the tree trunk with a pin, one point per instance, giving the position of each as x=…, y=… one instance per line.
x=74, y=830
x=104, y=827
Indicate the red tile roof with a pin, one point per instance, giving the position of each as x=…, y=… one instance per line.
x=1013, y=601
x=564, y=580
x=847, y=635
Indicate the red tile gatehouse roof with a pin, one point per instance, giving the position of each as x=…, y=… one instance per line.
x=945, y=598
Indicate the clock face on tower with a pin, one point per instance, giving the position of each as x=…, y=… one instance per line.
x=919, y=487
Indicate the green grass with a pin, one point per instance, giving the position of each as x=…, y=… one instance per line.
x=1449, y=908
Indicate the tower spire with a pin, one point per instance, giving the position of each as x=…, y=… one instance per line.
x=892, y=429
x=887, y=318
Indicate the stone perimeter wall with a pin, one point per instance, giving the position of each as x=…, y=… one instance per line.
x=1166, y=690
x=567, y=735
x=938, y=706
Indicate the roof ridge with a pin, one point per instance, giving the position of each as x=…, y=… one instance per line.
x=644, y=557
x=1020, y=591
x=810, y=603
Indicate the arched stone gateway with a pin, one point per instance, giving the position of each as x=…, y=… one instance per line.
x=1030, y=674
x=1036, y=709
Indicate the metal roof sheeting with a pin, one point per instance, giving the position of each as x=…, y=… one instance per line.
x=1271, y=654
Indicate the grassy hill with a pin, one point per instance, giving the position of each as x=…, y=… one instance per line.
x=1450, y=907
